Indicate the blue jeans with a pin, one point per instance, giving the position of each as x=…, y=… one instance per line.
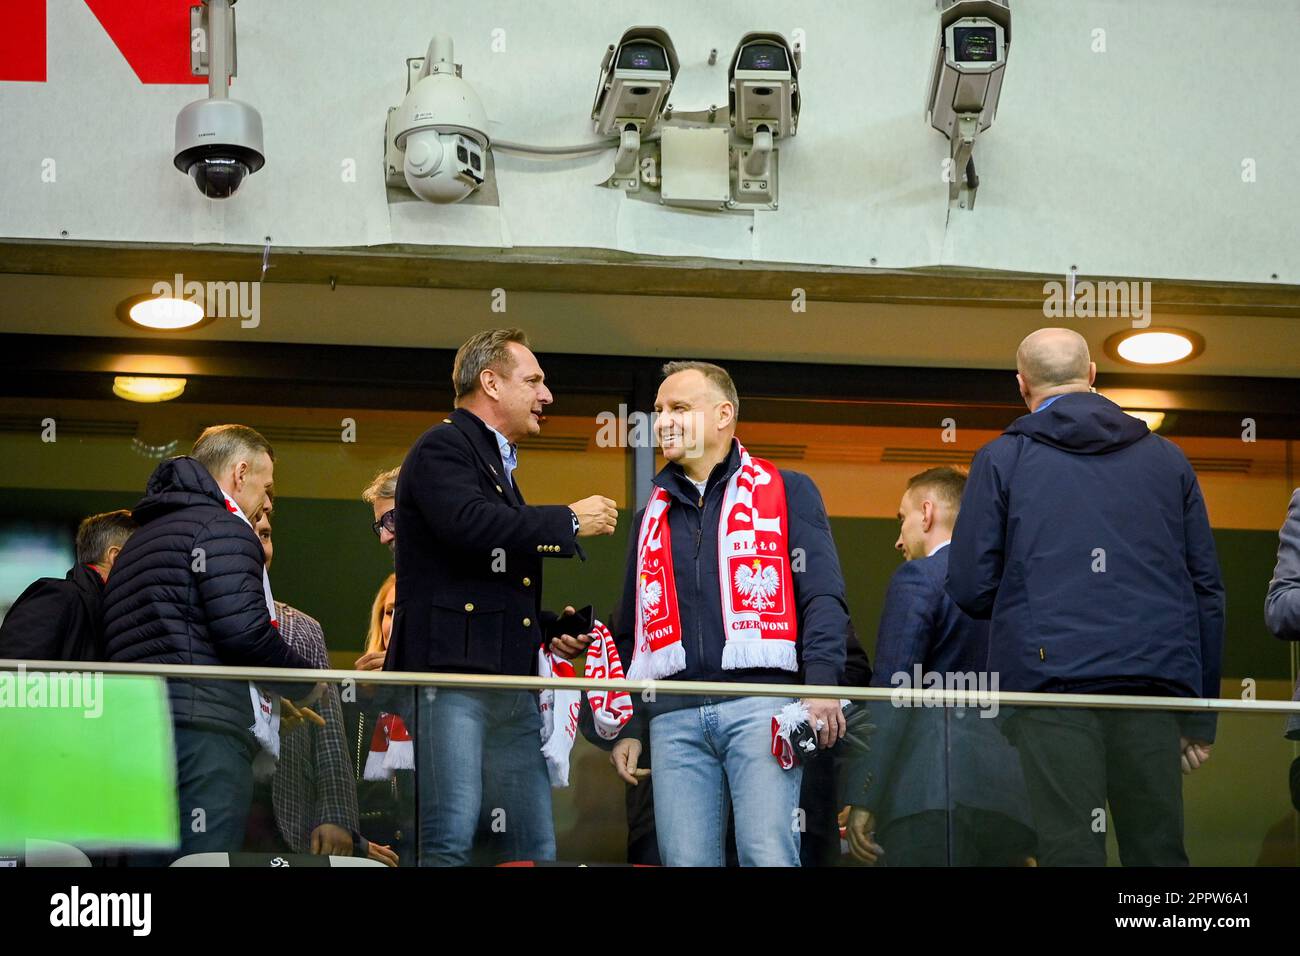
x=480, y=756
x=702, y=757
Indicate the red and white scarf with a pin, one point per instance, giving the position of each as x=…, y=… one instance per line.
x=266, y=708
x=391, y=749
x=610, y=710
x=759, y=616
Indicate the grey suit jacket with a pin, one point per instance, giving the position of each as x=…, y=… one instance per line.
x=1282, y=606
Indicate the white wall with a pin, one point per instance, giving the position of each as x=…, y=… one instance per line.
x=1126, y=162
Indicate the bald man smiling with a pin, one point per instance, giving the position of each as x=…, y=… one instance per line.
x=1084, y=538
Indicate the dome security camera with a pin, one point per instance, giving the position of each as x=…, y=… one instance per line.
x=218, y=140
x=218, y=143
x=440, y=129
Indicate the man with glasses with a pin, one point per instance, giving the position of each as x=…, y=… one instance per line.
x=381, y=495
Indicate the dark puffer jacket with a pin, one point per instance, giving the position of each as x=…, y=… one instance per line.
x=159, y=609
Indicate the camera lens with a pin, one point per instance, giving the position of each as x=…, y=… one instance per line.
x=461, y=154
x=475, y=162
x=975, y=44
x=218, y=177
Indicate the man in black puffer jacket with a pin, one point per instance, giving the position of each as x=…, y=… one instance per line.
x=188, y=589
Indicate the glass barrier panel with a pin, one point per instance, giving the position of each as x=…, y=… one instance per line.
x=111, y=769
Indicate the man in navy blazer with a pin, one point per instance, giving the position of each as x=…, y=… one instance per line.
x=469, y=585
x=1282, y=612
x=1085, y=539
x=938, y=786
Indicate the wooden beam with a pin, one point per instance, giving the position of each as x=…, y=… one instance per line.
x=599, y=272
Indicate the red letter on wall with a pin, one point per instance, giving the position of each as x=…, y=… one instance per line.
x=22, y=41
x=153, y=36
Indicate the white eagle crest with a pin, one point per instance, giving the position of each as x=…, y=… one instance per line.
x=651, y=594
x=757, y=585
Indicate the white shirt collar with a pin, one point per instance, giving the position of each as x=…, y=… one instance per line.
x=939, y=547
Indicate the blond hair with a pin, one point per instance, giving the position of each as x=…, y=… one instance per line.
x=375, y=636
x=384, y=485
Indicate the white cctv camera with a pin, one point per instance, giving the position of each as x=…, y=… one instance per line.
x=636, y=75
x=763, y=92
x=966, y=82
x=218, y=143
x=440, y=130
x=218, y=140
x=764, y=86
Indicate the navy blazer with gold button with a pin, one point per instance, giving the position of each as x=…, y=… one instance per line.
x=469, y=557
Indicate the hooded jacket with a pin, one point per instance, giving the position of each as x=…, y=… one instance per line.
x=56, y=620
x=187, y=589
x=1084, y=537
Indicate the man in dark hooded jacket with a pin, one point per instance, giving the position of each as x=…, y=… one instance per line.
x=188, y=589
x=1085, y=539
x=60, y=619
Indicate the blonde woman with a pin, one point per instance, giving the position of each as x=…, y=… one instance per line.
x=382, y=745
x=381, y=626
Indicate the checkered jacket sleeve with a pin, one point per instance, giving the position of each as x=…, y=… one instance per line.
x=313, y=783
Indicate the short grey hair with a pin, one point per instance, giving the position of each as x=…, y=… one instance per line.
x=384, y=485
x=221, y=446
x=98, y=533
x=716, y=374
x=489, y=349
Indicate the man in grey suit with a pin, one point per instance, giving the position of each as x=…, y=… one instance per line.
x=1282, y=611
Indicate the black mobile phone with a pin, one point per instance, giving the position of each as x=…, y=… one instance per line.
x=580, y=623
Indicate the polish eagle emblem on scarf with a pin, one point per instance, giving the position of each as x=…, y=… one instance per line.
x=652, y=592
x=757, y=585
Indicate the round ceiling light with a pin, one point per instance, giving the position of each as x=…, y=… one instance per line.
x=1154, y=346
x=161, y=313
x=146, y=388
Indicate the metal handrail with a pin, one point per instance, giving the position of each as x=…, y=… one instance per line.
x=905, y=697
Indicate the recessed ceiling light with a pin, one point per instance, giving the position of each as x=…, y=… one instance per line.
x=161, y=313
x=1153, y=419
x=1154, y=346
x=143, y=388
